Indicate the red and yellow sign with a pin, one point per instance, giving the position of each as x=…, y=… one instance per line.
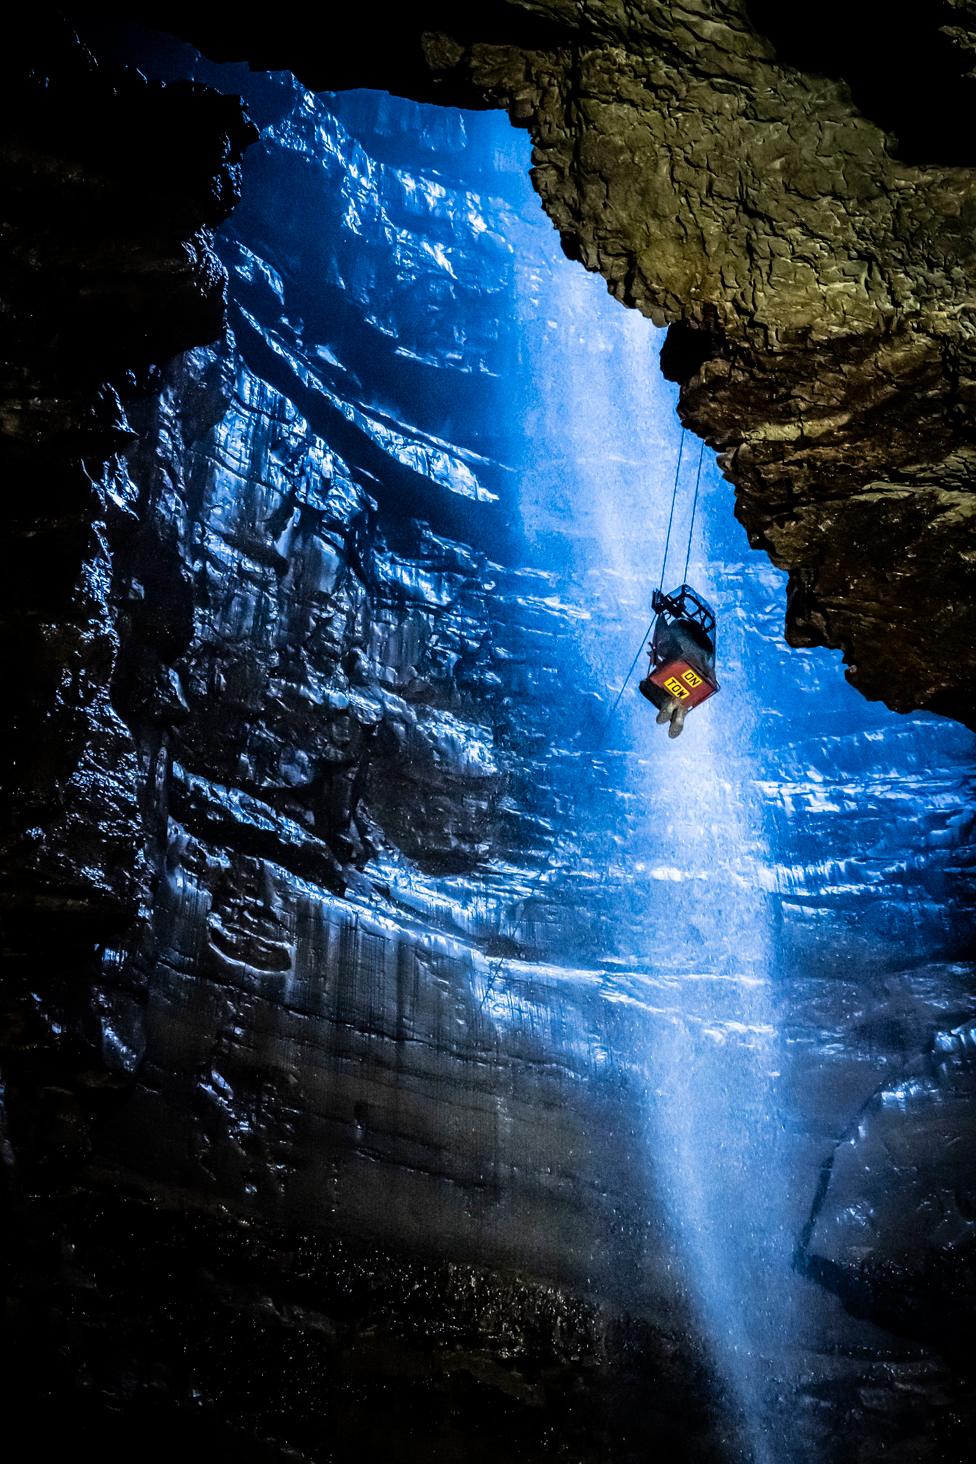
x=683, y=682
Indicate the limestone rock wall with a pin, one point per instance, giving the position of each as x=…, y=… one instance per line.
x=258, y=1102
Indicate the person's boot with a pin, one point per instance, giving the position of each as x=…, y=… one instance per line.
x=666, y=712
x=677, y=721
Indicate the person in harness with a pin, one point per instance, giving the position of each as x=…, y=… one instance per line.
x=682, y=651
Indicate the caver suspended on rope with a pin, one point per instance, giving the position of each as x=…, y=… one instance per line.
x=682, y=651
x=681, y=674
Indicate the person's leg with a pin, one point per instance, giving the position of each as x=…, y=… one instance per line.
x=677, y=720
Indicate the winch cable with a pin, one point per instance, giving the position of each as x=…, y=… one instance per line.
x=501, y=961
x=674, y=497
x=694, y=506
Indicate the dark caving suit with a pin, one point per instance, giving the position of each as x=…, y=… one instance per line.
x=679, y=640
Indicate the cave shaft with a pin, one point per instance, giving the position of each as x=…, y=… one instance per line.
x=455, y=1080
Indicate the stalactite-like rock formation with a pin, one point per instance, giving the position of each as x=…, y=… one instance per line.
x=820, y=287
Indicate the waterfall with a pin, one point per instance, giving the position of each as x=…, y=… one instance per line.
x=689, y=851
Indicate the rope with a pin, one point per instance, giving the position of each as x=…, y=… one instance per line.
x=674, y=495
x=694, y=505
x=613, y=710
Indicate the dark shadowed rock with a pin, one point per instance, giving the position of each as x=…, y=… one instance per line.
x=893, y=1229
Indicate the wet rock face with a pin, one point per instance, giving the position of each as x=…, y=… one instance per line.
x=112, y=187
x=698, y=158
x=334, y=704
x=227, y=1049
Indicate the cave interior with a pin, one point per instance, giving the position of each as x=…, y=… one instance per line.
x=408, y=1051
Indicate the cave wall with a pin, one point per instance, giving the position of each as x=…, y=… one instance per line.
x=250, y=1109
x=113, y=188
